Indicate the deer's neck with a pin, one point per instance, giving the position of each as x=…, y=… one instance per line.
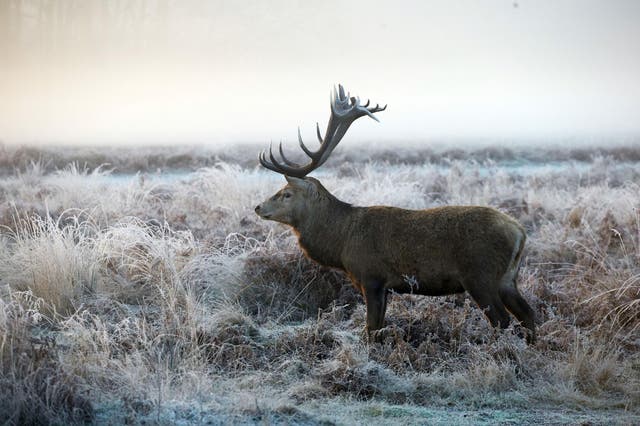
x=322, y=235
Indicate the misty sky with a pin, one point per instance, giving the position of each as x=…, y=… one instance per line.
x=169, y=71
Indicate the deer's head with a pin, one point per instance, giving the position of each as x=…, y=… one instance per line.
x=303, y=195
x=297, y=200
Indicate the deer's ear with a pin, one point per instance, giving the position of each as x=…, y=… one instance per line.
x=300, y=183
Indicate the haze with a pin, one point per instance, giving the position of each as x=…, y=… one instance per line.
x=165, y=71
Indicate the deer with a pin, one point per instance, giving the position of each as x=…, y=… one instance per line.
x=443, y=250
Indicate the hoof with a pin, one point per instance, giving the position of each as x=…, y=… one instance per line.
x=384, y=335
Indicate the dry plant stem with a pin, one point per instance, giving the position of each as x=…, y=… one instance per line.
x=169, y=301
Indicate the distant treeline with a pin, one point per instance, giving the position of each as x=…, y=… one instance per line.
x=151, y=159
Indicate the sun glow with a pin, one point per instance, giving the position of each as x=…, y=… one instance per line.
x=196, y=71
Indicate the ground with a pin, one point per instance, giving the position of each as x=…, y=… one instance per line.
x=148, y=291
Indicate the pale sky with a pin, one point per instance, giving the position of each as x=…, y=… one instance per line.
x=169, y=71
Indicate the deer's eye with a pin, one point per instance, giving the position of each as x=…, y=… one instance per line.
x=286, y=195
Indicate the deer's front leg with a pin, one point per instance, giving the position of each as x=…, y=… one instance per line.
x=375, y=297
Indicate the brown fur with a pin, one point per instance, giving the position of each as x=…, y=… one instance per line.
x=437, y=251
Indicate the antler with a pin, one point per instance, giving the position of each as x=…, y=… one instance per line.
x=344, y=111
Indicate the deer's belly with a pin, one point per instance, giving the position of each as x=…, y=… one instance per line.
x=428, y=286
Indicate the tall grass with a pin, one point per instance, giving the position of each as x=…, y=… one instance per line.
x=169, y=300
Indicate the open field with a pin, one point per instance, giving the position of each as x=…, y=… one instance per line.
x=161, y=297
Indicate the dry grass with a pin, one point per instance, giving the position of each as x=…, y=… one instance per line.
x=168, y=300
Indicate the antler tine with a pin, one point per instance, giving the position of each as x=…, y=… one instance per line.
x=290, y=169
x=339, y=98
x=377, y=108
x=285, y=159
x=276, y=166
x=303, y=146
x=341, y=89
x=317, y=133
x=345, y=109
x=271, y=165
x=266, y=163
x=273, y=158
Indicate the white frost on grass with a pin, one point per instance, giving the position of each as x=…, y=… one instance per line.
x=159, y=297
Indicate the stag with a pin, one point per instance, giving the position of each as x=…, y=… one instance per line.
x=445, y=250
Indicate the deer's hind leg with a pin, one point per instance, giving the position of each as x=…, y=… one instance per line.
x=516, y=304
x=490, y=303
x=513, y=300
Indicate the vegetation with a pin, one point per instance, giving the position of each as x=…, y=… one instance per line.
x=164, y=298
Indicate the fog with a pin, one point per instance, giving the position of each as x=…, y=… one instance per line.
x=189, y=72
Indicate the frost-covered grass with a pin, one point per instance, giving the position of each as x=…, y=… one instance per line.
x=168, y=300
